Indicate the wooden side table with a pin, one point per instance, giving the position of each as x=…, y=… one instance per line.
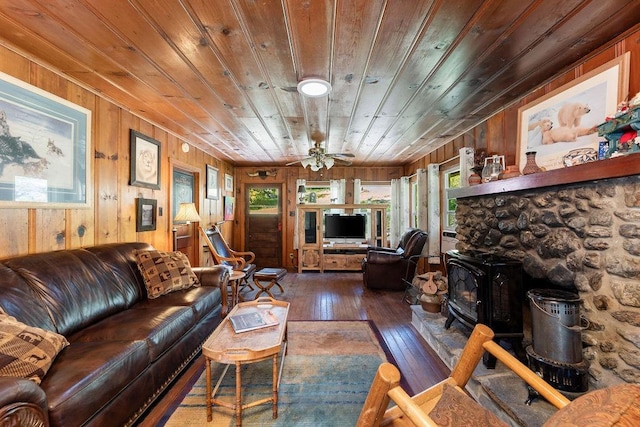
x=234, y=281
x=228, y=347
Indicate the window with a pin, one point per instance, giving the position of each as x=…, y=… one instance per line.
x=263, y=201
x=375, y=193
x=318, y=192
x=378, y=193
x=451, y=180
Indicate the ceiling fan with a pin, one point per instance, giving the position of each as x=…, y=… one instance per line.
x=318, y=158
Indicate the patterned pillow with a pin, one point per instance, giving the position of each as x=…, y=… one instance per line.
x=458, y=409
x=27, y=351
x=165, y=272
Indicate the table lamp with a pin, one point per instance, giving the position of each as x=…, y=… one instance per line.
x=301, y=190
x=186, y=214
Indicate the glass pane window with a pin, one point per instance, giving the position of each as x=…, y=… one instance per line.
x=263, y=201
x=318, y=192
x=451, y=180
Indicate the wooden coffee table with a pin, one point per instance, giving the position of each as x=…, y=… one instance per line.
x=228, y=347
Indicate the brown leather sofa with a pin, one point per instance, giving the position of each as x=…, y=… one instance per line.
x=393, y=270
x=124, y=348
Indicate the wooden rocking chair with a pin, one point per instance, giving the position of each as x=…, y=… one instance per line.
x=418, y=410
x=223, y=255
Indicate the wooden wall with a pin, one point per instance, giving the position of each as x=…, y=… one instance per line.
x=498, y=134
x=286, y=177
x=111, y=217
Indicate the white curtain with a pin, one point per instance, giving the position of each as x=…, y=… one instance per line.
x=433, y=198
x=422, y=202
x=400, y=209
x=337, y=188
x=299, y=182
x=357, y=189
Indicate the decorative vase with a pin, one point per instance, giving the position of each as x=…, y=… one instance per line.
x=531, y=166
x=511, y=172
x=474, y=179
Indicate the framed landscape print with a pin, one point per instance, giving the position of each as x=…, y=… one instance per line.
x=213, y=192
x=146, y=214
x=145, y=161
x=45, y=149
x=560, y=126
x=229, y=202
x=228, y=182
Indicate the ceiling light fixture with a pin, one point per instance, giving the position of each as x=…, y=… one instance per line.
x=314, y=88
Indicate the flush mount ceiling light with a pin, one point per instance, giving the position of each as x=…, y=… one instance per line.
x=314, y=88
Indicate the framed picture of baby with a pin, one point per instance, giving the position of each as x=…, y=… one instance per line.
x=561, y=126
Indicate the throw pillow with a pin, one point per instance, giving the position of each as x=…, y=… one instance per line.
x=458, y=409
x=27, y=351
x=165, y=272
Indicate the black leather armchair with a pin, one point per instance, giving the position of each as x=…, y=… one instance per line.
x=392, y=271
x=404, y=239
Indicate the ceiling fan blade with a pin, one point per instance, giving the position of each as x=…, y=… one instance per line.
x=340, y=154
x=293, y=163
x=342, y=161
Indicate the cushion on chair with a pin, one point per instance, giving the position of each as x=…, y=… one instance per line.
x=26, y=351
x=617, y=405
x=165, y=272
x=457, y=409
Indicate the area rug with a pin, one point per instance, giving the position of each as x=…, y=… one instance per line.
x=326, y=376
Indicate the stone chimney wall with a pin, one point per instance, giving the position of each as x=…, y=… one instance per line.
x=581, y=237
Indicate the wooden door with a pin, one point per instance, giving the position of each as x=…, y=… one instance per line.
x=264, y=223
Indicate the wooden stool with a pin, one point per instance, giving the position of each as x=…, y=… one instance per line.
x=267, y=278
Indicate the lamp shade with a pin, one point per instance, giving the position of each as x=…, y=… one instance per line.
x=306, y=162
x=328, y=162
x=302, y=189
x=187, y=213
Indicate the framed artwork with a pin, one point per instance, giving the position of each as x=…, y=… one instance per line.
x=145, y=161
x=46, y=149
x=146, y=214
x=183, y=186
x=228, y=182
x=560, y=126
x=229, y=202
x=213, y=192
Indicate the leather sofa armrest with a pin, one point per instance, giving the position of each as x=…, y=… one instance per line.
x=22, y=403
x=217, y=276
x=381, y=249
x=378, y=257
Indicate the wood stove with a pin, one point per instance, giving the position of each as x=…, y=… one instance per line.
x=486, y=288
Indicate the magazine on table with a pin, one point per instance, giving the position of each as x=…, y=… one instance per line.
x=249, y=321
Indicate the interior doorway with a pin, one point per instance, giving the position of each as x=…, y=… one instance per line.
x=264, y=223
x=184, y=234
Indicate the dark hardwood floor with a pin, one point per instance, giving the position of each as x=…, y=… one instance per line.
x=342, y=296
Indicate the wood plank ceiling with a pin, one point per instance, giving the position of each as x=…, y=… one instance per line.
x=407, y=75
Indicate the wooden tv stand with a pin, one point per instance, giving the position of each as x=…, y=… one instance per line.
x=343, y=256
x=317, y=254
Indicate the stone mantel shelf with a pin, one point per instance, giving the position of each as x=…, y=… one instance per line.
x=602, y=169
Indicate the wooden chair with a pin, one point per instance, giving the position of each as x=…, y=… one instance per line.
x=222, y=254
x=415, y=410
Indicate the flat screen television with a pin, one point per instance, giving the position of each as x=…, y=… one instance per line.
x=345, y=227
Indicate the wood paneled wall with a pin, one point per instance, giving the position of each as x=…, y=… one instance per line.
x=498, y=135
x=112, y=216
x=287, y=176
